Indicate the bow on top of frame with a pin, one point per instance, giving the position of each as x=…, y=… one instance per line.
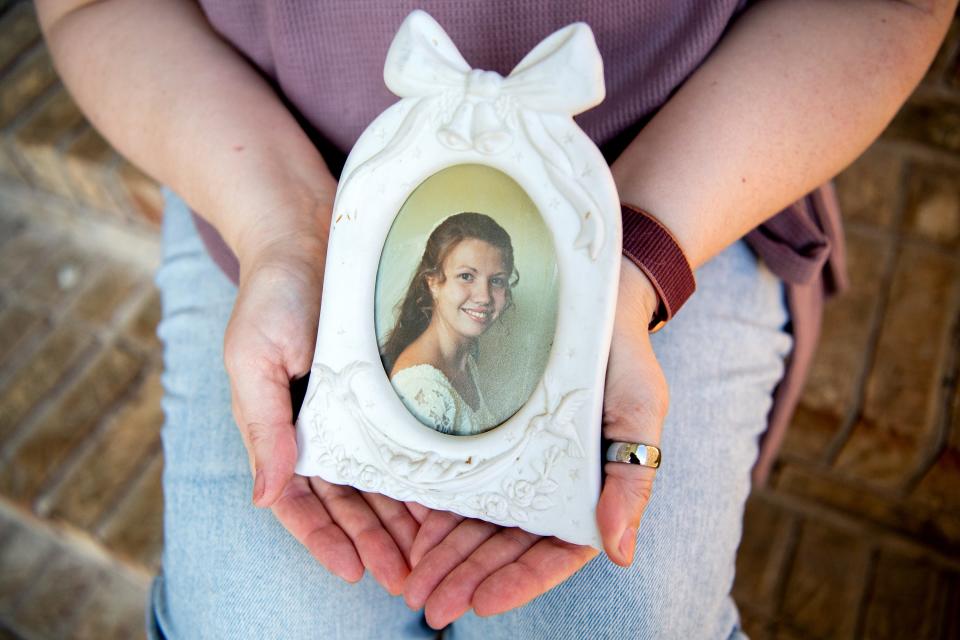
x=562, y=74
x=473, y=110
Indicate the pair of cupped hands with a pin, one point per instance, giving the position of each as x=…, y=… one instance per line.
x=439, y=561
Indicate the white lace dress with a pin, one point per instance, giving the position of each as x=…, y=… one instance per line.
x=428, y=394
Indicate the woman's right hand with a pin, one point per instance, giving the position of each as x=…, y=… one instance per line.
x=269, y=341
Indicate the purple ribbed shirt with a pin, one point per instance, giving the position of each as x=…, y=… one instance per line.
x=326, y=61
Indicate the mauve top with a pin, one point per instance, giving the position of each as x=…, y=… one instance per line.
x=326, y=62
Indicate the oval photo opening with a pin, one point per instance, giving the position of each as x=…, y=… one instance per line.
x=466, y=300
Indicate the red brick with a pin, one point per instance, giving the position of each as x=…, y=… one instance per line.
x=36, y=139
x=9, y=168
x=933, y=204
x=89, y=162
x=10, y=226
x=43, y=449
x=831, y=389
x=39, y=376
x=30, y=76
x=756, y=628
x=20, y=29
x=135, y=530
x=929, y=119
x=902, y=395
x=53, y=274
x=839, y=361
x=21, y=253
x=18, y=326
x=879, y=457
x=906, y=600
x=810, y=434
x=821, y=488
x=23, y=556
x=110, y=288
x=939, y=494
x=114, y=611
x=954, y=435
x=142, y=327
x=951, y=622
x=826, y=583
x=868, y=188
x=57, y=595
x=786, y=633
x=761, y=556
x=945, y=63
x=106, y=468
x=143, y=192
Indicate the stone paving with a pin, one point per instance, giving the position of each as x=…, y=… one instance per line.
x=857, y=534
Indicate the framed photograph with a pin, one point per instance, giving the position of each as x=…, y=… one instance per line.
x=469, y=291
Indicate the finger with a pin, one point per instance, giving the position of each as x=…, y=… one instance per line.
x=397, y=520
x=635, y=404
x=418, y=511
x=441, y=560
x=545, y=565
x=301, y=512
x=376, y=547
x=626, y=487
x=261, y=392
x=452, y=597
x=626, y=491
x=436, y=526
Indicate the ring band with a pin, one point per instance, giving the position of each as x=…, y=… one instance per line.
x=645, y=455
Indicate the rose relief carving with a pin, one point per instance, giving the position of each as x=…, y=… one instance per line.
x=419, y=473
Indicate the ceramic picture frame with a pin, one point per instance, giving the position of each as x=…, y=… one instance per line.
x=474, y=223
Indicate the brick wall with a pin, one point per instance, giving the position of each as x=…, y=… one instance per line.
x=45, y=141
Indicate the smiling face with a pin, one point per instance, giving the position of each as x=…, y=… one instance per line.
x=473, y=291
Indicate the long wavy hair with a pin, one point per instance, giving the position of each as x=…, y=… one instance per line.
x=416, y=308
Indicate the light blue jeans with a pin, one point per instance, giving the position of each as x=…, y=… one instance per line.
x=232, y=571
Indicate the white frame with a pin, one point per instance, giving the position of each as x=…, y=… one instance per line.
x=541, y=469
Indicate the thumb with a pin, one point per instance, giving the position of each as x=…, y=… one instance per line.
x=635, y=404
x=263, y=412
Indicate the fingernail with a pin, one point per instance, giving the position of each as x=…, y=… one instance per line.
x=626, y=544
x=259, y=485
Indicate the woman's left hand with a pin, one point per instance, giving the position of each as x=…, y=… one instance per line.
x=462, y=563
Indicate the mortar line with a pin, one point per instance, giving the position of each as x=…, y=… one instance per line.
x=919, y=151
x=841, y=437
x=947, y=388
x=866, y=593
x=869, y=532
x=87, y=443
x=55, y=320
x=21, y=55
x=65, y=381
x=25, y=349
x=786, y=564
x=99, y=527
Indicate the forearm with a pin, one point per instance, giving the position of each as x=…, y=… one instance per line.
x=792, y=95
x=183, y=105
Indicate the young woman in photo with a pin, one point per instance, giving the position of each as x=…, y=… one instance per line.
x=460, y=288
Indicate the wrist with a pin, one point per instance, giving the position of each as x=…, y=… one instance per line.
x=637, y=296
x=650, y=245
x=291, y=225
